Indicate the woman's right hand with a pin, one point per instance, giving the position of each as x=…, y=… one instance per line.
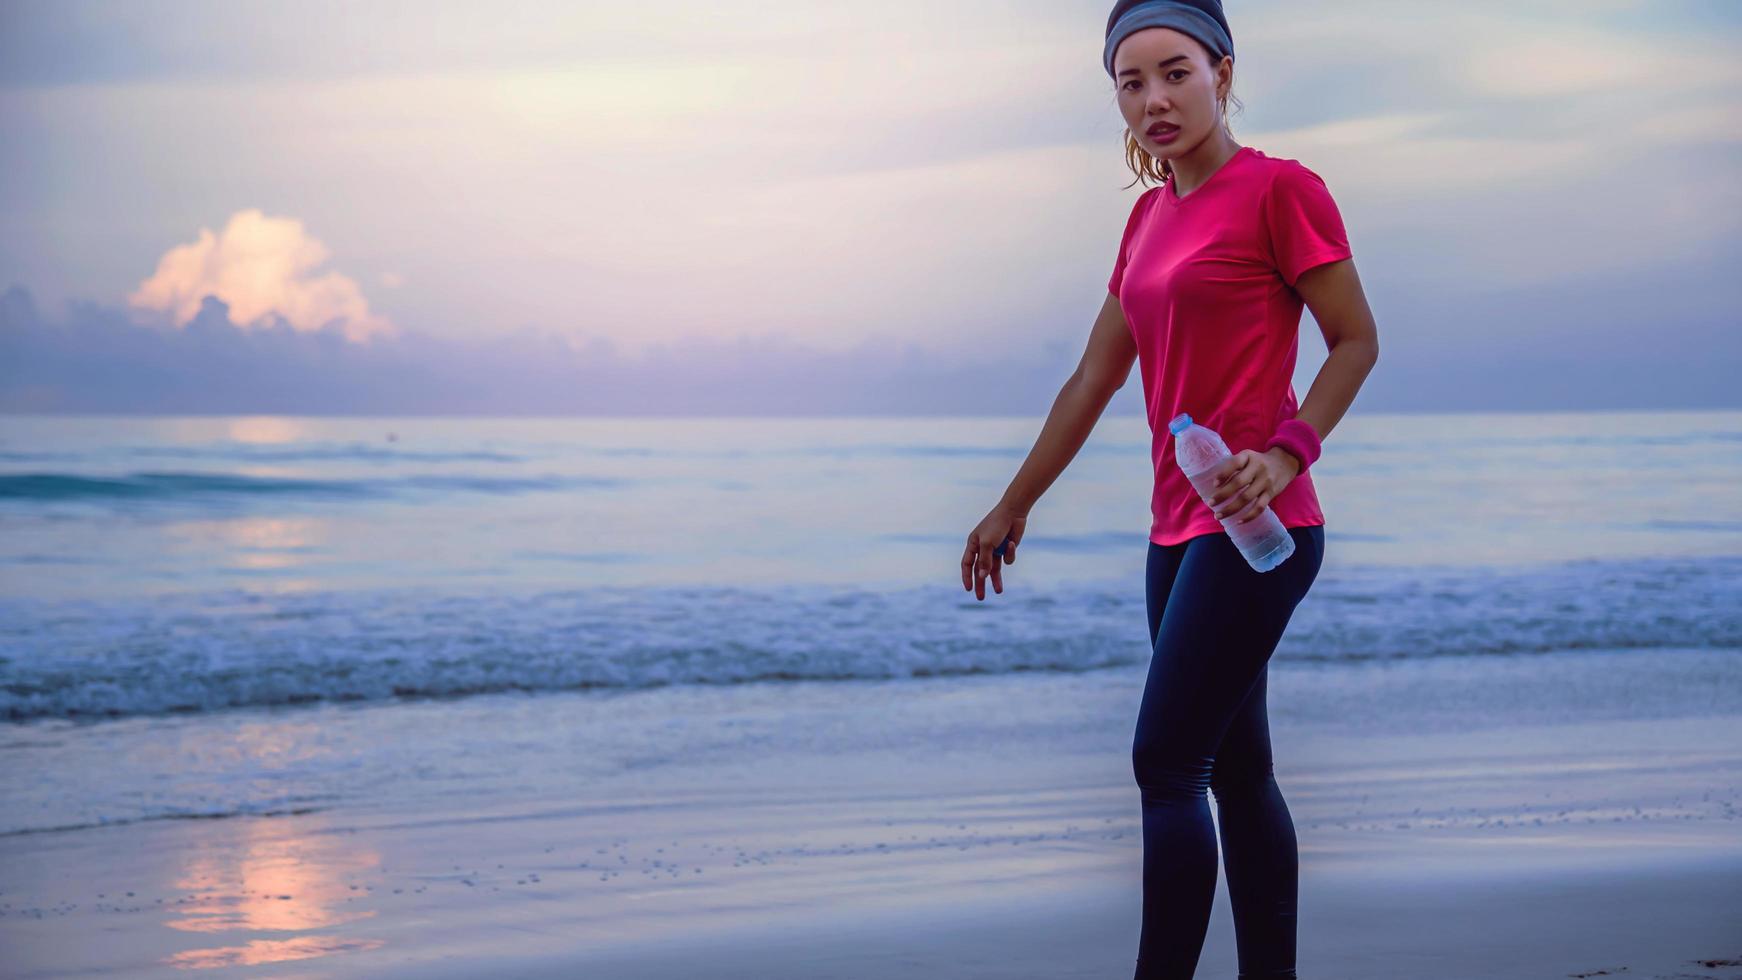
x=989, y=546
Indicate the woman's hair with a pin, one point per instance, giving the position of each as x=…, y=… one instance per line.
x=1148, y=168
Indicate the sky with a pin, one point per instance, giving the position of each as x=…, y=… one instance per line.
x=781, y=207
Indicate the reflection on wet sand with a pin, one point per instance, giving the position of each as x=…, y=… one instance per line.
x=272, y=882
x=259, y=951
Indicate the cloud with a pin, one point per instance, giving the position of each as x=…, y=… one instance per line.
x=1489, y=348
x=837, y=176
x=260, y=267
x=881, y=174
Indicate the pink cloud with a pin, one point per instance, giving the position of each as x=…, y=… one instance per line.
x=259, y=266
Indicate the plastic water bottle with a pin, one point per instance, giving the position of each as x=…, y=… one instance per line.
x=1262, y=541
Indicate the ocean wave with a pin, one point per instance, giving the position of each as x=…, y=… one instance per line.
x=178, y=485
x=264, y=808
x=859, y=450
x=93, y=659
x=323, y=452
x=946, y=451
x=1086, y=543
x=246, y=453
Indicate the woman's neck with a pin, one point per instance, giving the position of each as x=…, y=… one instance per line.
x=1191, y=170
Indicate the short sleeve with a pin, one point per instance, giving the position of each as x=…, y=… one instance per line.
x=1131, y=223
x=1305, y=227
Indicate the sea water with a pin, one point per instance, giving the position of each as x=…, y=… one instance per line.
x=183, y=596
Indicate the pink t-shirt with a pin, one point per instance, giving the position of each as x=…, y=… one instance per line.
x=1207, y=285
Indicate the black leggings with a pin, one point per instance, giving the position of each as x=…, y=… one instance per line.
x=1213, y=624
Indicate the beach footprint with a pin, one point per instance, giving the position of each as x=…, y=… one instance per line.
x=1722, y=968
x=1717, y=964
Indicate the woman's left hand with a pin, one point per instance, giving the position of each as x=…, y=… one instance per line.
x=1253, y=480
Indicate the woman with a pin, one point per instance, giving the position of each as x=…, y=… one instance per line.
x=1206, y=294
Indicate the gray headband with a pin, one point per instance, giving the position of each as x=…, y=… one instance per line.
x=1182, y=17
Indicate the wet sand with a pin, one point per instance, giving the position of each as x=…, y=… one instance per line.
x=1510, y=851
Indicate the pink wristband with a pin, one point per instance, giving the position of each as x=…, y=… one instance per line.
x=1298, y=439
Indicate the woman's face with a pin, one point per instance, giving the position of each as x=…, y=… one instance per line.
x=1165, y=77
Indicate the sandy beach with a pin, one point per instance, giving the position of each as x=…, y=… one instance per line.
x=965, y=827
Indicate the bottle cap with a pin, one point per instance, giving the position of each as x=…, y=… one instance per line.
x=1180, y=423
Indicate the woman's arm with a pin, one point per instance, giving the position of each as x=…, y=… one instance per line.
x=1333, y=292
x=1105, y=365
